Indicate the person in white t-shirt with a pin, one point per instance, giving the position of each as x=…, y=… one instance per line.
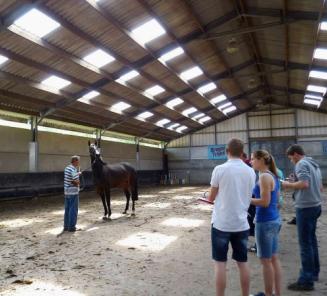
x=231, y=190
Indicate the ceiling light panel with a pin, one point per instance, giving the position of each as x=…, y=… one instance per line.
x=317, y=88
x=204, y=119
x=99, y=58
x=148, y=31
x=56, y=82
x=229, y=109
x=128, y=76
x=218, y=99
x=181, y=128
x=3, y=59
x=312, y=102
x=36, y=23
x=171, y=54
x=318, y=74
x=191, y=73
x=320, y=53
x=162, y=122
x=207, y=88
x=145, y=115
x=155, y=90
x=189, y=111
x=119, y=107
x=174, y=102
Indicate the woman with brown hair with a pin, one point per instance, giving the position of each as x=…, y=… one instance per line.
x=267, y=220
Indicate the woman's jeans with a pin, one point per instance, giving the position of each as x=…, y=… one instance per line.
x=306, y=221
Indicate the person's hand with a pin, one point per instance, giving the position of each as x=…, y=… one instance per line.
x=285, y=184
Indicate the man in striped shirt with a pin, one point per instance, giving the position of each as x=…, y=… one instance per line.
x=71, y=188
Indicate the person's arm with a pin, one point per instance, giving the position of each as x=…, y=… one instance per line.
x=265, y=192
x=75, y=176
x=295, y=185
x=212, y=194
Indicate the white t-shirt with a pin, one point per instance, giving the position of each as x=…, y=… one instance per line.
x=236, y=181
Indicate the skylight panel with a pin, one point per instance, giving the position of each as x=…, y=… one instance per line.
x=3, y=59
x=206, y=88
x=318, y=74
x=128, y=76
x=205, y=119
x=317, y=88
x=171, y=54
x=99, y=58
x=181, y=128
x=189, y=111
x=221, y=107
x=155, y=90
x=148, y=31
x=320, y=53
x=56, y=82
x=323, y=26
x=218, y=99
x=88, y=96
x=198, y=116
x=162, y=122
x=145, y=115
x=191, y=73
x=119, y=107
x=37, y=23
x=230, y=109
x=312, y=102
x=174, y=102
x=174, y=125
x=319, y=98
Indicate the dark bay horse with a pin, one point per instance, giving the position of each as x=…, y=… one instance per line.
x=105, y=177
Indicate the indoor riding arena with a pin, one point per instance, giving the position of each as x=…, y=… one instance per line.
x=116, y=113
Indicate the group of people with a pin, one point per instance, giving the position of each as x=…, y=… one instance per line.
x=234, y=187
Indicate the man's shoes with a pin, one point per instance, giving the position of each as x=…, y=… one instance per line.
x=260, y=294
x=292, y=222
x=74, y=229
x=252, y=249
x=316, y=278
x=300, y=287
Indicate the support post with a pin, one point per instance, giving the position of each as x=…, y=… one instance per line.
x=137, y=141
x=33, y=148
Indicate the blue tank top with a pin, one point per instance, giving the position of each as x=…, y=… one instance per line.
x=270, y=213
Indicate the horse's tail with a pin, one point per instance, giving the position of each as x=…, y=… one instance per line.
x=135, y=195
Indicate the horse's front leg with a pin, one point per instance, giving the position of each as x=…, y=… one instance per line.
x=128, y=196
x=107, y=192
x=103, y=198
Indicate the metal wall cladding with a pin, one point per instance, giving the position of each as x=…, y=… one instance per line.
x=178, y=153
x=260, y=122
x=285, y=120
x=290, y=132
x=223, y=138
x=260, y=134
x=307, y=118
x=237, y=123
x=209, y=129
x=180, y=142
x=199, y=152
x=312, y=131
x=203, y=139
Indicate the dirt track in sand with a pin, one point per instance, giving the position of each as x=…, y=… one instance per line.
x=164, y=250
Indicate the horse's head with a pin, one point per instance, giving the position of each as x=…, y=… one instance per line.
x=94, y=150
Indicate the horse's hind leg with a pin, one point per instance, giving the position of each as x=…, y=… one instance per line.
x=103, y=198
x=128, y=196
x=133, y=207
x=107, y=192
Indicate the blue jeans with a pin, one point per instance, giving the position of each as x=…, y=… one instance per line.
x=71, y=211
x=306, y=221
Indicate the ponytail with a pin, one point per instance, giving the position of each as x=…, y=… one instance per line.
x=268, y=159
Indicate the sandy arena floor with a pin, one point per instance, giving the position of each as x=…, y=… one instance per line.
x=164, y=250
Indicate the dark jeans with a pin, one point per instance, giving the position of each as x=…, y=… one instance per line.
x=71, y=211
x=306, y=227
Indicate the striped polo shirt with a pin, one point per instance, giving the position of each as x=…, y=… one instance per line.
x=70, y=174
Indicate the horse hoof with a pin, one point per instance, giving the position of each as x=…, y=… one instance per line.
x=105, y=218
x=125, y=212
x=133, y=215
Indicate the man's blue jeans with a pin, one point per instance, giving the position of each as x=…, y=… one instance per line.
x=306, y=221
x=71, y=211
